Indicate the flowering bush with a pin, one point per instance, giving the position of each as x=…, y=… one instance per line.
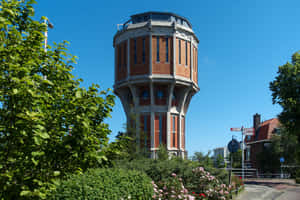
x=236, y=181
x=207, y=186
x=171, y=188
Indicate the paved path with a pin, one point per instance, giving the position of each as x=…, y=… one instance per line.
x=271, y=189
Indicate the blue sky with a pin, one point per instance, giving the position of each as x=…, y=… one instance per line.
x=242, y=43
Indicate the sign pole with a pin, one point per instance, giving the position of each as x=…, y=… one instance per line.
x=243, y=173
x=231, y=162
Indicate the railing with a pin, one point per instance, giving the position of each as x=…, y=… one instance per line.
x=248, y=172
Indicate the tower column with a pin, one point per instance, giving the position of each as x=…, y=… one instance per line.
x=174, y=51
x=128, y=58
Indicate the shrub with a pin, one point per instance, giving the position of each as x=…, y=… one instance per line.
x=111, y=184
x=236, y=181
x=158, y=170
x=171, y=188
x=206, y=186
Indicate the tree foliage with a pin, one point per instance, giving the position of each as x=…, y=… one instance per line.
x=203, y=159
x=49, y=125
x=286, y=92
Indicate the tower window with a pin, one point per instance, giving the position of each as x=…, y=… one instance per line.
x=167, y=49
x=145, y=94
x=186, y=53
x=125, y=55
x=160, y=129
x=144, y=51
x=134, y=51
x=120, y=57
x=160, y=94
x=174, y=96
x=174, y=131
x=179, y=51
x=157, y=48
x=145, y=129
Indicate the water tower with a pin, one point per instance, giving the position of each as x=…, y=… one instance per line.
x=156, y=75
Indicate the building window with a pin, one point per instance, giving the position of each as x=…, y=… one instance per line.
x=144, y=51
x=186, y=53
x=160, y=94
x=145, y=129
x=179, y=51
x=145, y=95
x=125, y=55
x=134, y=51
x=160, y=129
x=120, y=57
x=174, y=131
x=174, y=96
x=157, y=48
x=167, y=49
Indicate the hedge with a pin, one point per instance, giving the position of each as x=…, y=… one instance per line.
x=110, y=184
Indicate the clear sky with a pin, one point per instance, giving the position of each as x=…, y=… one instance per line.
x=242, y=43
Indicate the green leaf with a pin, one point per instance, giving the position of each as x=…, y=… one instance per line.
x=78, y=94
x=37, y=153
x=15, y=91
x=56, y=173
x=2, y=19
x=25, y=193
x=35, y=162
x=44, y=135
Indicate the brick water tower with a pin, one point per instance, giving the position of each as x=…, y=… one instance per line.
x=156, y=75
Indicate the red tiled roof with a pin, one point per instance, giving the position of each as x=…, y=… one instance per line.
x=265, y=130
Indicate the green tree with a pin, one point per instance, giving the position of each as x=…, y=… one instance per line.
x=286, y=92
x=282, y=145
x=220, y=162
x=203, y=159
x=49, y=125
x=236, y=159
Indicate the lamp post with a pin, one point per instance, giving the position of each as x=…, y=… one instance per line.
x=50, y=25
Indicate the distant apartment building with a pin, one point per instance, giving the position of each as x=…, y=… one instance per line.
x=261, y=139
x=221, y=152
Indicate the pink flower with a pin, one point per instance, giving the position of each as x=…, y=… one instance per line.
x=173, y=174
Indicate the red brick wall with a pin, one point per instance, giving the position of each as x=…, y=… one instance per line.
x=156, y=129
x=146, y=133
x=162, y=67
x=181, y=68
x=172, y=131
x=139, y=68
x=121, y=62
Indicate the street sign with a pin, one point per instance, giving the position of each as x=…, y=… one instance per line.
x=235, y=129
x=233, y=146
x=249, y=133
x=248, y=129
x=281, y=159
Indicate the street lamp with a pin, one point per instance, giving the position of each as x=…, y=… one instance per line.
x=50, y=25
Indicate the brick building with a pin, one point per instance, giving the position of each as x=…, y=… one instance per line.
x=156, y=75
x=261, y=138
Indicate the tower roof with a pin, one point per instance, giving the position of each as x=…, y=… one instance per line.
x=159, y=16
